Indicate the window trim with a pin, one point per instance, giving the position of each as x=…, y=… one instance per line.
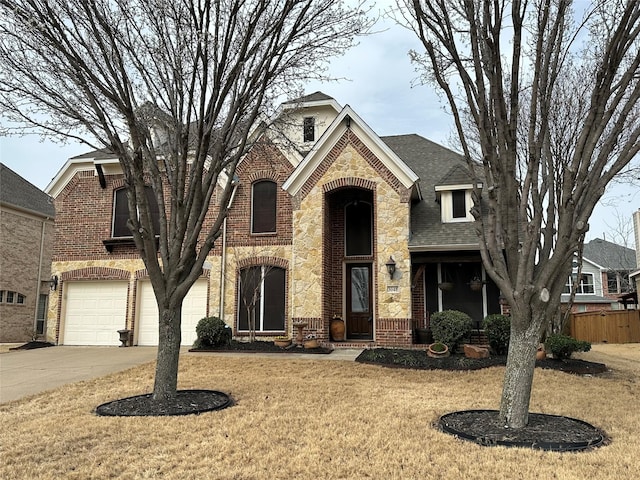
x=261, y=305
x=580, y=285
x=446, y=206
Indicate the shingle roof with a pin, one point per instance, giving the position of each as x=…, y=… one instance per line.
x=610, y=255
x=432, y=162
x=18, y=192
x=457, y=175
x=312, y=97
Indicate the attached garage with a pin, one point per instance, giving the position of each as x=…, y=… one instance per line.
x=193, y=309
x=94, y=312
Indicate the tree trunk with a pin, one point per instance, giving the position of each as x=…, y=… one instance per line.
x=518, y=377
x=166, y=381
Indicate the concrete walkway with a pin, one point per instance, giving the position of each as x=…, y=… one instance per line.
x=27, y=372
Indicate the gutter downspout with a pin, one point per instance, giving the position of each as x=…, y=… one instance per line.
x=223, y=258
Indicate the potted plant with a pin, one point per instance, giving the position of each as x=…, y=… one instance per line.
x=476, y=284
x=445, y=286
x=310, y=341
x=282, y=341
x=438, y=350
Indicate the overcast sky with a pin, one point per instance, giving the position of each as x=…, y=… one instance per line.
x=378, y=87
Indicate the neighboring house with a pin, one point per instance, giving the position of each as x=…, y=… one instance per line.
x=635, y=275
x=324, y=210
x=26, y=242
x=605, y=277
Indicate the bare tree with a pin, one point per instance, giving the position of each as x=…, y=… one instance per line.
x=174, y=89
x=554, y=114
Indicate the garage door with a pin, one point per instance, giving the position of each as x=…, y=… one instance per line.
x=94, y=312
x=194, y=308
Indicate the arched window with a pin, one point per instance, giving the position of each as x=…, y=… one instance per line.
x=262, y=295
x=121, y=212
x=263, y=207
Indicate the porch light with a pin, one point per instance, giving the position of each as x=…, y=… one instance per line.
x=53, y=282
x=391, y=267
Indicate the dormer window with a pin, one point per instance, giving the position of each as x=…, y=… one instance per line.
x=459, y=204
x=309, y=129
x=455, y=203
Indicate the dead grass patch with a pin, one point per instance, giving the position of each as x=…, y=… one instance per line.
x=309, y=419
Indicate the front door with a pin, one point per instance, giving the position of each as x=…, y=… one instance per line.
x=359, y=302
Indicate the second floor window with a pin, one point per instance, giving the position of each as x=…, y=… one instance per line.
x=121, y=213
x=309, y=129
x=459, y=203
x=585, y=285
x=263, y=207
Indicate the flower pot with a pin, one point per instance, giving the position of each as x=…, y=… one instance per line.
x=541, y=354
x=282, y=343
x=438, y=350
x=475, y=285
x=446, y=286
x=311, y=343
x=337, y=329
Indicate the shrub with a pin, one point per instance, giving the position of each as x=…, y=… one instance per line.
x=498, y=330
x=212, y=332
x=450, y=326
x=563, y=346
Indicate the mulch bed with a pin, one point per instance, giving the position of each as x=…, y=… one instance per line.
x=543, y=432
x=187, y=402
x=262, y=347
x=418, y=359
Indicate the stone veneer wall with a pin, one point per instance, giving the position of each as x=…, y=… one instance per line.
x=391, y=234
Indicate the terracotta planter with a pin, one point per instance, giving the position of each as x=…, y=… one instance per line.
x=337, y=329
x=438, y=350
x=541, y=354
x=282, y=343
x=311, y=343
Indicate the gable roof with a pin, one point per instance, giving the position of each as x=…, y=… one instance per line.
x=17, y=192
x=609, y=255
x=348, y=119
x=433, y=163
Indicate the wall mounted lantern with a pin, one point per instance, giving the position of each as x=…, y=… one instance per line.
x=53, y=283
x=391, y=267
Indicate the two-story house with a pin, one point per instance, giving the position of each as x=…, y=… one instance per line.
x=327, y=219
x=604, y=278
x=26, y=242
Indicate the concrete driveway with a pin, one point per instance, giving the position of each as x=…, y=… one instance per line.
x=27, y=372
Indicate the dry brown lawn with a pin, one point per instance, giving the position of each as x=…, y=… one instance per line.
x=307, y=419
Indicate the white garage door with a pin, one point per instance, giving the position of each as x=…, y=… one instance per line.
x=194, y=308
x=94, y=312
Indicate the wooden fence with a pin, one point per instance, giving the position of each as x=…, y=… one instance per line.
x=611, y=326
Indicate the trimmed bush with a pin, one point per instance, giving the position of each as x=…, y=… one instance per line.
x=563, y=346
x=497, y=328
x=212, y=332
x=450, y=326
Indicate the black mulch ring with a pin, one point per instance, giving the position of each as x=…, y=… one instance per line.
x=418, y=359
x=543, y=432
x=187, y=402
x=261, y=347
x=32, y=345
